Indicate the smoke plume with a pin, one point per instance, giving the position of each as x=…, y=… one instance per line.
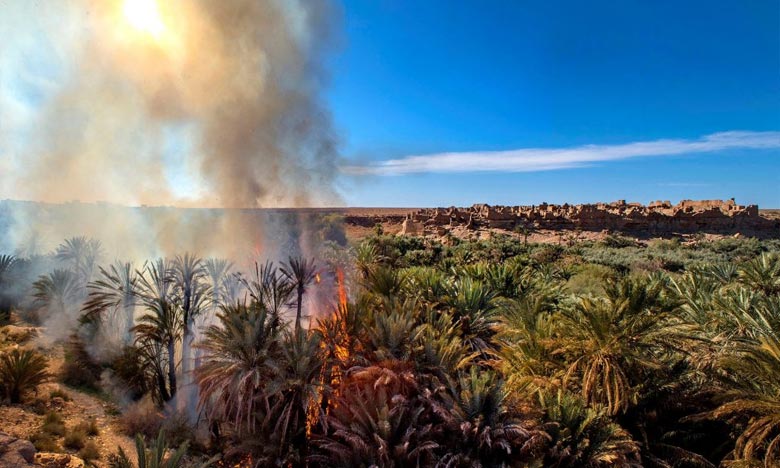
x=166, y=103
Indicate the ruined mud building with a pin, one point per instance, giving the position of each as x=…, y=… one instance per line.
x=657, y=218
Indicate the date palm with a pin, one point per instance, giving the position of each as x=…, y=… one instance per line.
x=81, y=254
x=21, y=370
x=189, y=275
x=7, y=263
x=158, y=329
x=474, y=307
x=242, y=356
x=300, y=389
x=299, y=272
x=58, y=292
x=762, y=273
x=218, y=274
x=529, y=343
x=386, y=283
x=270, y=289
x=381, y=417
x=488, y=432
x=613, y=343
x=161, y=326
x=367, y=258
x=584, y=436
x=427, y=284
x=753, y=370
x=115, y=289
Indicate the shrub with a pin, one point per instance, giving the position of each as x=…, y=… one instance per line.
x=53, y=424
x=75, y=440
x=59, y=393
x=90, y=452
x=89, y=427
x=665, y=245
x=44, y=442
x=80, y=370
x=153, y=454
x=129, y=369
x=142, y=418
x=548, y=253
x=177, y=429
x=21, y=370
x=618, y=242
x=589, y=279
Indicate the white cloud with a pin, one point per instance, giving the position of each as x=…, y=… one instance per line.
x=547, y=159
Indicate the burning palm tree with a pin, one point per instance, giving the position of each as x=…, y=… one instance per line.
x=300, y=272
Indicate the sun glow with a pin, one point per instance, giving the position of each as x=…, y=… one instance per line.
x=144, y=15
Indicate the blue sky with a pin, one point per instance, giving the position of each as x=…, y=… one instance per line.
x=475, y=78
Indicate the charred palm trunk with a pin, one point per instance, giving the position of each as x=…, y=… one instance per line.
x=298, y=311
x=172, y=367
x=187, y=336
x=129, y=309
x=300, y=439
x=15, y=395
x=162, y=386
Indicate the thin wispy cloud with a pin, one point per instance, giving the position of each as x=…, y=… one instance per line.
x=683, y=184
x=548, y=159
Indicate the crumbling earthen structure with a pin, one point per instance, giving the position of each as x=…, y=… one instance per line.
x=660, y=217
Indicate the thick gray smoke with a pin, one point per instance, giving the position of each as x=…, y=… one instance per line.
x=165, y=103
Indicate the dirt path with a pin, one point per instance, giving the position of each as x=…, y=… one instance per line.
x=25, y=420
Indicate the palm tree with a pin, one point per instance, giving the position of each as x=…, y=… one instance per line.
x=381, y=417
x=753, y=371
x=762, y=273
x=300, y=387
x=241, y=357
x=584, y=436
x=270, y=290
x=489, y=433
x=529, y=343
x=57, y=292
x=300, y=273
x=367, y=258
x=613, y=343
x=21, y=370
x=7, y=264
x=439, y=351
x=161, y=327
x=427, y=284
x=386, y=283
x=391, y=334
x=82, y=255
x=117, y=287
x=474, y=307
x=218, y=274
x=189, y=275
x=155, y=456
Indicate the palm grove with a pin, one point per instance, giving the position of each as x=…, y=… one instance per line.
x=483, y=353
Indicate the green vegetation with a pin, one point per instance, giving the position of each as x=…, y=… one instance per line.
x=491, y=353
x=21, y=370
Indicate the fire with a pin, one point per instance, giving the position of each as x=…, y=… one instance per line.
x=342, y=289
x=317, y=278
x=144, y=15
x=333, y=374
x=342, y=353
